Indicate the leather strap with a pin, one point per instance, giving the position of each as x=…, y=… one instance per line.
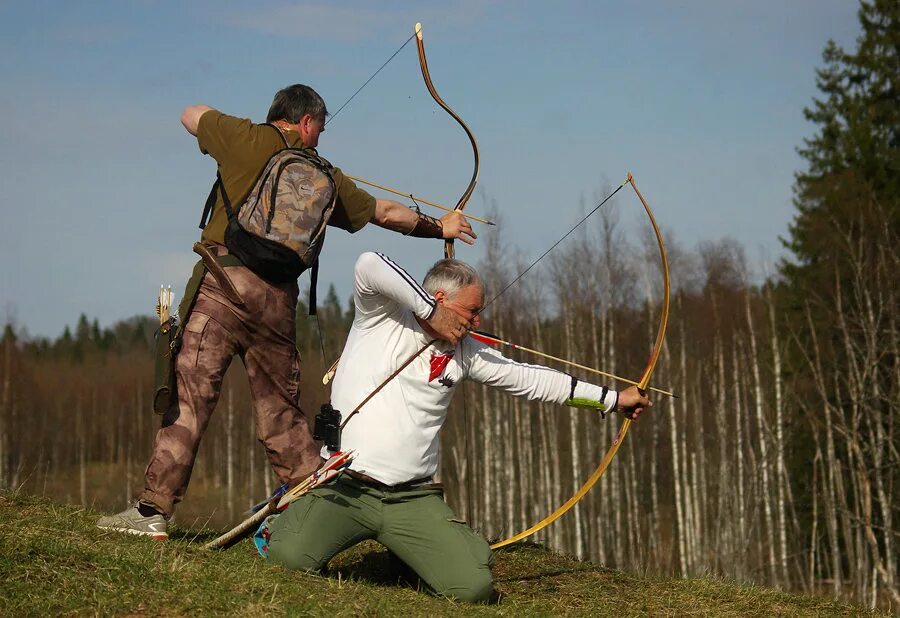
x=214, y=266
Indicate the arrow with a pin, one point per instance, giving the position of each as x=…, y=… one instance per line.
x=491, y=339
x=416, y=198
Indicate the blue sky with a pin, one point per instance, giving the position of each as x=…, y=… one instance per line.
x=102, y=188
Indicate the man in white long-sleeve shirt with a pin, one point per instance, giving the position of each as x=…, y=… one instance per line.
x=388, y=494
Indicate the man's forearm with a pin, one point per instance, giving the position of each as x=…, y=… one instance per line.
x=393, y=215
x=587, y=395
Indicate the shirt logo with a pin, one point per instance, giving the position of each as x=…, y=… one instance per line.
x=446, y=381
x=439, y=363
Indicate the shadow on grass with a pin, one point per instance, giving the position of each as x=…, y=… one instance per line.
x=542, y=575
x=518, y=547
x=518, y=563
x=193, y=537
x=375, y=565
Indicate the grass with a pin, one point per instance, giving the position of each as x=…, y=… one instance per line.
x=54, y=561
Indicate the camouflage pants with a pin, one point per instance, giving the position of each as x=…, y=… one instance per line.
x=262, y=332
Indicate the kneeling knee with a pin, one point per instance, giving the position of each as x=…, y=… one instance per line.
x=294, y=560
x=477, y=588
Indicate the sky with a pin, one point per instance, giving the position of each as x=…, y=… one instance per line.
x=102, y=189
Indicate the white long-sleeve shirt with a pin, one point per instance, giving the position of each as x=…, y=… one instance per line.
x=395, y=435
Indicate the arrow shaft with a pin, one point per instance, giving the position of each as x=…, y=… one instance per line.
x=415, y=198
x=567, y=362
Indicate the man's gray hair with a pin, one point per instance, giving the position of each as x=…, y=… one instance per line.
x=294, y=102
x=451, y=276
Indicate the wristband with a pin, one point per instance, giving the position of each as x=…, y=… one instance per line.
x=427, y=227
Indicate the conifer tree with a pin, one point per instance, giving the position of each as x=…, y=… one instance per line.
x=852, y=181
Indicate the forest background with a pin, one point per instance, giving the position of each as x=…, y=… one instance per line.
x=778, y=464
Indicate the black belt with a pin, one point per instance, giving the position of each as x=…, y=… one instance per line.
x=368, y=481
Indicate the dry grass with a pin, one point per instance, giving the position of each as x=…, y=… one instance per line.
x=53, y=561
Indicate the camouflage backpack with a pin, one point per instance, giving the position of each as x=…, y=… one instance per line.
x=279, y=229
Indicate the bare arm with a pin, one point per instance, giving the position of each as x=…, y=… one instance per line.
x=393, y=215
x=190, y=117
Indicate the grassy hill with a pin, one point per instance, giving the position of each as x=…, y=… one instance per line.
x=53, y=561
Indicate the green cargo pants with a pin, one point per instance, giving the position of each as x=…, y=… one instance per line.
x=416, y=525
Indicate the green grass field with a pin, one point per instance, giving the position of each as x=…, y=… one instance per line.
x=53, y=562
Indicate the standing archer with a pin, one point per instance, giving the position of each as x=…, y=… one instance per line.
x=232, y=309
x=388, y=494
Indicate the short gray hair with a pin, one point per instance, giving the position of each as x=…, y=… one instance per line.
x=451, y=276
x=294, y=102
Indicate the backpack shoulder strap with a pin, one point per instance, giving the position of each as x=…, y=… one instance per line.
x=211, y=201
x=218, y=185
x=313, y=283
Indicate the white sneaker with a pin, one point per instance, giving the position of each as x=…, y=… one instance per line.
x=131, y=521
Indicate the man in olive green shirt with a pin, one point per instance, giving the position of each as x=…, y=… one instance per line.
x=261, y=327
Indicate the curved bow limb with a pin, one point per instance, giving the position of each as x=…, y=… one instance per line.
x=642, y=385
x=423, y=63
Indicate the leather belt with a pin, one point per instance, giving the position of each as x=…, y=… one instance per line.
x=365, y=479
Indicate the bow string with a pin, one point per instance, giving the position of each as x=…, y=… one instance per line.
x=642, y=386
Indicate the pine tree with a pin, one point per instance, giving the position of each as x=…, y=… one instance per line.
x=853, y=178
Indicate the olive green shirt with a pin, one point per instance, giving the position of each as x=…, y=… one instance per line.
x=242, y=150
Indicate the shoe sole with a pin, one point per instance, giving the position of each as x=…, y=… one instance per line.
x=158, y=536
